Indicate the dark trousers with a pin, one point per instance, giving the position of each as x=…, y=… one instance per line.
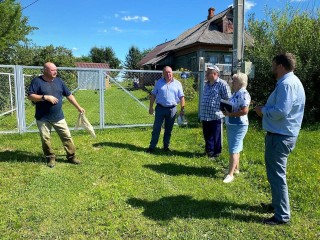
x=168, y=115
x=212, y=136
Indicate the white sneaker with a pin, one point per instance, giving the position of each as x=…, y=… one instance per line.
x=228, y=179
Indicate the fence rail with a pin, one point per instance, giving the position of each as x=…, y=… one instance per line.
x=111, y=97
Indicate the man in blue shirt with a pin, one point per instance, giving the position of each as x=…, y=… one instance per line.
x=281, y=118
x=167, y=93
x=46, y=92
x=210, y=114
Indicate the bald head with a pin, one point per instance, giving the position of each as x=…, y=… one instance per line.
x=49, y=71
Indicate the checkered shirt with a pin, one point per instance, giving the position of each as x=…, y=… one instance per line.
x=210, y=102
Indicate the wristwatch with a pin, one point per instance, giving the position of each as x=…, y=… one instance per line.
x=43, y=98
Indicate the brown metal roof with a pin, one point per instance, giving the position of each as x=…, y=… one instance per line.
x=92, y=65
x=153, y=54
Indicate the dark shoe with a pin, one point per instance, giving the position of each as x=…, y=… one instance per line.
x=51, y=162
x=150, y=150
x=273, y=221
x=211, y=155
x=74, y=161
x=267, y=206
x=166, y=149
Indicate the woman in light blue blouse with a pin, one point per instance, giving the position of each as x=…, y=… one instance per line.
x=237, y=122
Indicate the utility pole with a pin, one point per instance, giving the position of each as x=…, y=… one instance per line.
x=238, y=35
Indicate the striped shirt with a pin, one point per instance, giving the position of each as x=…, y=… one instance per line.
x=210, y=101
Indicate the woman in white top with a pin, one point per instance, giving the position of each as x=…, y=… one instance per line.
x=237, y=122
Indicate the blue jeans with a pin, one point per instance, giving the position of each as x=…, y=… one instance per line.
x=277, y=150
x=168, y=115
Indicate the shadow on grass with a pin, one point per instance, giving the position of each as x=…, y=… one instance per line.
x=18, y=156
x=23, y=156
x=176, y=169
x=183, y=206
x=157, y=151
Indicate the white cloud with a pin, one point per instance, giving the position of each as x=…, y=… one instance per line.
x=103, y=31
x=248, y=5
x=75, y=49
x=144, y=19
x=117, y=29
x=135, y=18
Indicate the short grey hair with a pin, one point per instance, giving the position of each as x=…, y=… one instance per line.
x=242, y=77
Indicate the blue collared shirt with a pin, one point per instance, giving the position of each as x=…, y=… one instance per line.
x=168, y=94
x=210, y=102
x=283, y=112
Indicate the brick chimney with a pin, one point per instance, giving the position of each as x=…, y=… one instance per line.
x=210, y=13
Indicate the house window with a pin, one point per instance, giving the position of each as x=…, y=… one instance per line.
x=213, y=59
x=228, y=59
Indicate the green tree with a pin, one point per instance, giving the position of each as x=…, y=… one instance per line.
x=60, y=56
x=145, y=52
x=132, y=58
x=83, y=59
x=105, y=55
x=287, y=30
x=14, y=29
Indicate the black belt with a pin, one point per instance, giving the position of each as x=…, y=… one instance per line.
x=172, y=106
x=277, y=134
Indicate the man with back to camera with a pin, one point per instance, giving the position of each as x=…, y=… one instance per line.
x=281, y=118
x=46, y=91
x=167, y=93
x=211, y=116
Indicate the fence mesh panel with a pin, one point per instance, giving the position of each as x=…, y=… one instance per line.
x=111, y=98
x=8, y=120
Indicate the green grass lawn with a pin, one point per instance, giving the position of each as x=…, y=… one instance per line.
x=120, y=192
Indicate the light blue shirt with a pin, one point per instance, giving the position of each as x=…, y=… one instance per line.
x=167, y=94
x=283, y=112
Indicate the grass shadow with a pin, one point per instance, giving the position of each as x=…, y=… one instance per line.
x=23, y=156
x=177, y=169
x=157, y=151
x=183, y=206
x=18, y=156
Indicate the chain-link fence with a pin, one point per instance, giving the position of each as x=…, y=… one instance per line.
x=7, y=97
x=110, y=97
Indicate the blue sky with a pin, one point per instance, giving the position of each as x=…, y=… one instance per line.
x=83, y=24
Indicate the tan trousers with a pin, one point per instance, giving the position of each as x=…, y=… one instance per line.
x=63, y=131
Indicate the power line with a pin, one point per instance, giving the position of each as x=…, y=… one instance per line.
x=30, y=4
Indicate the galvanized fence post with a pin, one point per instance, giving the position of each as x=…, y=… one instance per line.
x=20, y=101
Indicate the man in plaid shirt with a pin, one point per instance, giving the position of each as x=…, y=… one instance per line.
x=210, y=114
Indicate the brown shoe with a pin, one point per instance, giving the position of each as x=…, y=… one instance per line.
x=51, y=162
x=74, y=160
